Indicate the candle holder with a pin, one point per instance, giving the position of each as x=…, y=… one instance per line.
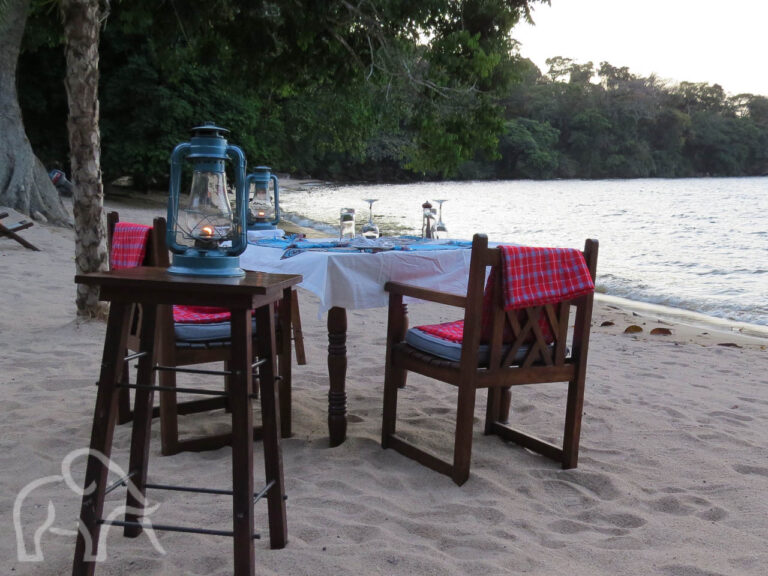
x=428, y=216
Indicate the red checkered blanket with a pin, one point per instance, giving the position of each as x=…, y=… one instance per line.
x=200, y=314
x=454, y=331
x=537, y=276
x=129, y=245
x=531, y=277
x=451, y=331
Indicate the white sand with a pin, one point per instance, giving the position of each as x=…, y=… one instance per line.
x=672, y=478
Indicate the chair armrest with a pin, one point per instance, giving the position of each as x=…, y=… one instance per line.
x=426, y=294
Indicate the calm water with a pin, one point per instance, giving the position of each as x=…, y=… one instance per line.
x=695, y=244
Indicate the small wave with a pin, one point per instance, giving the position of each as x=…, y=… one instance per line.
x=659, y=242
x=305, y=222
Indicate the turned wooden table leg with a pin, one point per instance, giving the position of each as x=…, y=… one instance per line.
x=337, y=374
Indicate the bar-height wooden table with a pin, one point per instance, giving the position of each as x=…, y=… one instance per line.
x=152, y=287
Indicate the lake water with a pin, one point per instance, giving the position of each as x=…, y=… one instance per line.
x=694, y=244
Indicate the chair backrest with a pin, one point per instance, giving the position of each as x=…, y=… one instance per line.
x=156, y=254
x=556, y=350
x=157, y=250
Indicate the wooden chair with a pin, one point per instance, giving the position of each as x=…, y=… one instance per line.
x=524, y=355
x=174, y=349
x=9, y=231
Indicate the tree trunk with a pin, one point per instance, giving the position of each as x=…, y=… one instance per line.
x=81, y=30
x=24, y=182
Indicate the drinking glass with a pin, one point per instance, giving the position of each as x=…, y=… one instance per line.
x=347, y=223
x=440, y=227
x=369, y=229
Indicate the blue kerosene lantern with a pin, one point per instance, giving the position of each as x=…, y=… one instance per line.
x=264, y=211
x=204, y=234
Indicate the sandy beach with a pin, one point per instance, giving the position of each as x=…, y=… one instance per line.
x=672, y=476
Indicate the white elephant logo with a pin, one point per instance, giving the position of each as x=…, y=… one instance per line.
x=48, y=524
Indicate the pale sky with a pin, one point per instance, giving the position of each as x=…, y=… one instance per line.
x=714, y=41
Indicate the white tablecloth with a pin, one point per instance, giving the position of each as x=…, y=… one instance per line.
x=356, y=280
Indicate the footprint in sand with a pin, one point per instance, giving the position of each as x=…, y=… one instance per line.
x=747, y=469
x=687, y=570
x=588, y=484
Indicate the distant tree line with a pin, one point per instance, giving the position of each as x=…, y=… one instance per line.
x=565, y=124
x=351, y=91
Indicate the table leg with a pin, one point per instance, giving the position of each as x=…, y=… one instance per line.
x=242, y=443
x=270, y=421
x=104, y=417
x=285, y=311
x=142, y=423
x=337, y=374
x=403, y=332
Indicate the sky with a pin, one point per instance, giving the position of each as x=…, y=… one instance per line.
x=718, y=42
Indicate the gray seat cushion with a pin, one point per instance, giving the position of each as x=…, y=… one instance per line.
x=448, y=349
x=202, y=333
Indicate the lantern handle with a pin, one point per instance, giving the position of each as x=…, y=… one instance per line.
x=177, y=157
x=277, y=198
x=241, y=197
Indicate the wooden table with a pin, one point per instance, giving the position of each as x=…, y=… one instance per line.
x=345, y=280
x=152, y=287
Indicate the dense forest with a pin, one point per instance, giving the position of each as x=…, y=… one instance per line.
x=313, y=93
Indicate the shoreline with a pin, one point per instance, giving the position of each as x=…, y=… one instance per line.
x=689, y=323
x=688, y=320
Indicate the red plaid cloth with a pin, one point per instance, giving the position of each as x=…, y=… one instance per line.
x=451, y=331
x=200, y=314
x=129, y=245
x=454, y=331
x=537, y=276
x=522, y=317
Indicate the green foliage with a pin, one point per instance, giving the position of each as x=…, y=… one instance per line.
x=528, y=150
x=378, y=89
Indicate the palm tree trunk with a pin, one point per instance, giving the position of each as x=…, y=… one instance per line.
x=81, y=29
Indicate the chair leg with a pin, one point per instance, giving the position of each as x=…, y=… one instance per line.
x=286, y=316
x=298, y=336
x=572, y=431
x=394, y=378
x=497, y=410
x=505, y=401
x=491, y=410
x=462, y=449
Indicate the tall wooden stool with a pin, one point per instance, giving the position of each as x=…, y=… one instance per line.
x=151, y=287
